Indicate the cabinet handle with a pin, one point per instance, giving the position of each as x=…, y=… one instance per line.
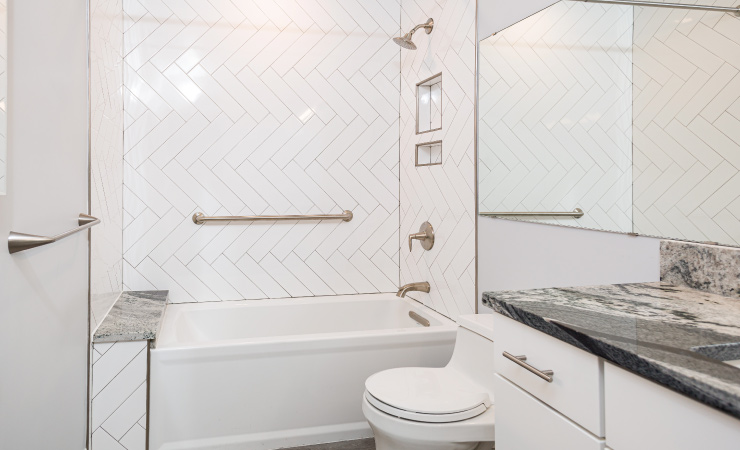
x=520, y=360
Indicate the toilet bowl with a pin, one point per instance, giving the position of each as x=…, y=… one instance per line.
x=449, y=408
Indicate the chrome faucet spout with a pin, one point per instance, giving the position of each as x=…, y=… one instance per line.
x=422, y=286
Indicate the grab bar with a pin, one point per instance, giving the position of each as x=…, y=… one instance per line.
x=578, y=212
x=200, y=218
x=18, y=242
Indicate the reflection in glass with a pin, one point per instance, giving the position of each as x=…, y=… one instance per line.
x=629, y=113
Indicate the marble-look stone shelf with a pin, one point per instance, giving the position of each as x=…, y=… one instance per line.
x=136, y=316
x=683, y=339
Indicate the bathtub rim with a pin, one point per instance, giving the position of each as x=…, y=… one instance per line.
x=166, y=340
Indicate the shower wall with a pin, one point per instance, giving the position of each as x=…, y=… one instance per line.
x=442, y=194
x=106, y=155
x=270, y=107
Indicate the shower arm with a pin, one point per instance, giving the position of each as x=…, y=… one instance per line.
x=421, y=25
x=428, y=26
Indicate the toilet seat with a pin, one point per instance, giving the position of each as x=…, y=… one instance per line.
x=426, y=394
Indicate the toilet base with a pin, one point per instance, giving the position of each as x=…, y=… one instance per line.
x=387, y=442
x=393, y=433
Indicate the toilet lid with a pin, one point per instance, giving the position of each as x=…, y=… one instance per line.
x=428, y=391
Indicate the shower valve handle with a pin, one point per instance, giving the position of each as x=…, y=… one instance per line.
x=425, y=235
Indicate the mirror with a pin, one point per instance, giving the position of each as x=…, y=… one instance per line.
x=629, y=113
x=3, y=94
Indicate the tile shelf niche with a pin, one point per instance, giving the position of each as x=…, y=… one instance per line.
x=429, y=105
x=429, y=154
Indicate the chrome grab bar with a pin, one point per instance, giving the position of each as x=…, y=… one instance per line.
x=18, y=242
x=200, y=218
x=578, y=212
x=728, y=9
x=544, y=374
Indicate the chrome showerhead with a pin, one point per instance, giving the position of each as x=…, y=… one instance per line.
x=405, y=40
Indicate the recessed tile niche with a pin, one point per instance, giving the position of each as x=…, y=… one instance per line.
x=429, y=105
x=429, y=153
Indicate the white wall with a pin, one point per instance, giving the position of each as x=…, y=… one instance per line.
x=495, y=15
x=443, y=194
x=555, y=128
x=3, y=92
x=270, y=107
x=106, y=155
x=44, y=291
x=515, y=255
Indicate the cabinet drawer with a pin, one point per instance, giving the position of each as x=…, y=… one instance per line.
x=523, y=422
x=642, y=415
x=576, y=389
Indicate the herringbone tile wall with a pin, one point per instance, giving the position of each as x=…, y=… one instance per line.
x=271, y=107
x=106, y=155
x=687, y=124
x=555, y=115
x=443, y=194
x=119, y=396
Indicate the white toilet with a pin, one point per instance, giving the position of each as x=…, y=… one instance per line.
x=449, y=408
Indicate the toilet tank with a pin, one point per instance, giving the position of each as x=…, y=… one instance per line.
x=474, y=352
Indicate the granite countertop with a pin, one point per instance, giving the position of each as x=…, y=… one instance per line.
x=675, y=336
x=135, y=316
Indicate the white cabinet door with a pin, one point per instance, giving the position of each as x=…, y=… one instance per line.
x=642, y=415
x=525, y=423
x=575, y=390
x=44, y=291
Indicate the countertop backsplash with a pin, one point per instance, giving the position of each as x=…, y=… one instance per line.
x=708, y=268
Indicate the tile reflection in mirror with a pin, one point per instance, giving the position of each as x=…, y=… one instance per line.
x=628, y=112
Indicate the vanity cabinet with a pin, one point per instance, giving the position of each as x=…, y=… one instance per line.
x=642, y=415
x=524, y=422
x=590, y=403
x=576, y=388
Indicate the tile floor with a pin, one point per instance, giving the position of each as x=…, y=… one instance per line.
x=360, y=444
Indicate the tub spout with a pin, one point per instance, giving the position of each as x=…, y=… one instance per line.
x=422, y=286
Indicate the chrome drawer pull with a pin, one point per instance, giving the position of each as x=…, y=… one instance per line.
x=544, y=374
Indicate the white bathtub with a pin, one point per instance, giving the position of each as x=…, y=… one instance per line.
x=280, y=373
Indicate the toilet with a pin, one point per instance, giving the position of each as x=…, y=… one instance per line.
x=448, y=408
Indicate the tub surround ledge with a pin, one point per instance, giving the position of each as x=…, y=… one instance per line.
x=675, y=336
x=135, y=316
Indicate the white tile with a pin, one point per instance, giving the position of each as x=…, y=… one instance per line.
x=125, y=383
x=126, y=416
x=135, y=438
x=264, y=281
x=103, y=441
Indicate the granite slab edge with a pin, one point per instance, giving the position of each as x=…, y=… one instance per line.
x=676, y=372
x=136, y=316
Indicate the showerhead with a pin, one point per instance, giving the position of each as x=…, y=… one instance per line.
x=405, y=40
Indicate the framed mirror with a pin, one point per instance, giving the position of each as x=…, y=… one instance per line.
x=614, y=117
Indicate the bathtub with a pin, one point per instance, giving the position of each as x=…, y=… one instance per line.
x=281, y=373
